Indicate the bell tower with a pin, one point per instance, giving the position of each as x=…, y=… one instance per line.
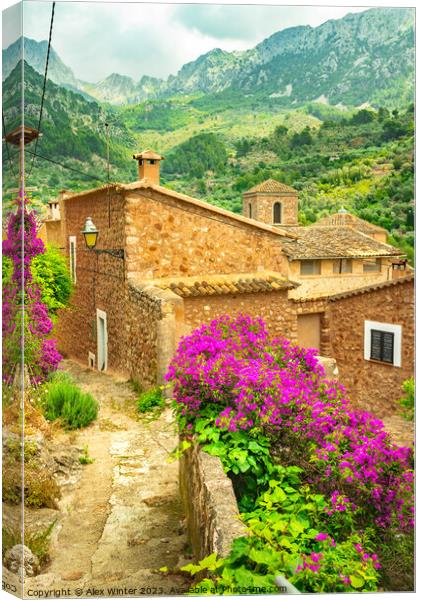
x=273, y=203
x=148, y=165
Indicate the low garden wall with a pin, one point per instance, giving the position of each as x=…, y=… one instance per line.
x=209, y=503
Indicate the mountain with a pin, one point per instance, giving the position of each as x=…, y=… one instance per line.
x=366, y=57
x=35, y=56
x=73, y=134
x=363, y=58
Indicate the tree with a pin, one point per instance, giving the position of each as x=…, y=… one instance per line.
x=302, y=138
x=363, y=116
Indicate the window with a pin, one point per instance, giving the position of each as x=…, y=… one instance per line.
x=372, y=266
x=310, y=267
x=250, y=211
x=277, y=213
x=382, y=342
x=72, y=255
x=342, y=265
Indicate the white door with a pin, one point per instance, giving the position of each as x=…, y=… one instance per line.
x=102, y=340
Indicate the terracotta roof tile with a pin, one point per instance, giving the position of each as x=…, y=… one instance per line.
x=271, y=186
x=150, y=154
x=335, y=242
x=238, y=283
x=316, y=289
x=348, y=219
x=373, y=287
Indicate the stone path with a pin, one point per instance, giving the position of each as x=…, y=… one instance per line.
x=401, y=430
x=123, y=520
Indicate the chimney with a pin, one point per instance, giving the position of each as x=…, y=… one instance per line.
x=148, y=165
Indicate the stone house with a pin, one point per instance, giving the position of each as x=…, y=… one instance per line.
x=166, y=262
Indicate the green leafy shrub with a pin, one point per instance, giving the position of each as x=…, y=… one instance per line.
x=408, y=400
x=65, y=401
x=37, y=541
x=50, y=273
x=84, y=458
x=150, y=399
x=289, y=534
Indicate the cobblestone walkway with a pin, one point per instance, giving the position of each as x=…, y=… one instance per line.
x=122, y=521
x=401, y=430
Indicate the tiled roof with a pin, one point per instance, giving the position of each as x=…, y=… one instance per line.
x=215, y=285
x=342, y=219
x=150, y=154
x=335, y=242
x=373, y=287
x=271, y=186
x=320, y=288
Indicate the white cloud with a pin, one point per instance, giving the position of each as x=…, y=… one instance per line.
x=96, y=38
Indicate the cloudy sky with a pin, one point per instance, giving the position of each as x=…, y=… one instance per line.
x=135, y=39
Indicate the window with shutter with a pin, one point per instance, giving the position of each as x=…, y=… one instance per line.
x=383, y=342
x=381, y=347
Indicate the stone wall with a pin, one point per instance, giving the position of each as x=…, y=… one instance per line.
x=169, y=237
x=262, y=207
x=209, y=503
x=273, y=307
x=100, y=279
x=372, y=385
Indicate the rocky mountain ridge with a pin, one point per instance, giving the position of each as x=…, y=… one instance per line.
x=365, y=57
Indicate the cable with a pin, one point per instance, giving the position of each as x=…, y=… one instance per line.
x=43, y=88
x=55, y=162
x=12, y=166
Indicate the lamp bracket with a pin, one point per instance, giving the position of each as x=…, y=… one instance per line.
x=116, y=252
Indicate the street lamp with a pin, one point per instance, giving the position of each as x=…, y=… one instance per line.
x=91, y=233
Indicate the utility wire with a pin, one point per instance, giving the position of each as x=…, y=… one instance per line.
x=12, y=166
x=55, y=162
x=43, y=88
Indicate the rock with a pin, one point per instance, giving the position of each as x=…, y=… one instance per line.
x=14, y=557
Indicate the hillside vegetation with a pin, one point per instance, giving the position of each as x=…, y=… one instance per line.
x=215, y=149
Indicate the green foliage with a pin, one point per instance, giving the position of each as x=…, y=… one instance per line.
x=283, y=539
x=407, y=401
x=245, y=456
x=85, y=459
x=51, y=274
x=198, y=155
x=37, y=541
x=65, y=401
x=363, y=116
x=302, y=138
x=150, y=400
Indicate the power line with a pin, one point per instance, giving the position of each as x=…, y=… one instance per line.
x=55, y=162
x=12, y=166
x=43, y=87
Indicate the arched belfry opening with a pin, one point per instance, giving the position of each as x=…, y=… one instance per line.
x=277, y=213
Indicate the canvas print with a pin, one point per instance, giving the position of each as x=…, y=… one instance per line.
x=208, y=299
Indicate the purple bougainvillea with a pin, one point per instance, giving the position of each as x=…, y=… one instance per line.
x=232, y=368
x=26, y=323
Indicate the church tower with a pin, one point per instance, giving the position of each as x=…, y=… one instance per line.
x=273, y=203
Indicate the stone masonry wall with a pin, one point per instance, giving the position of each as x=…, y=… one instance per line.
x=373, y=386
x=101, y=279
x=273, y=307
x=167, y=237
x=262, y=207
x=209, y=504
